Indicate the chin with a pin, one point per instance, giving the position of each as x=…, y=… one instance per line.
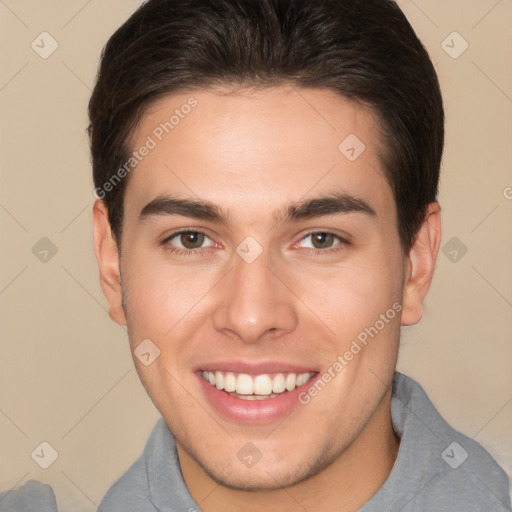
x=269, y=473
x=266, y=478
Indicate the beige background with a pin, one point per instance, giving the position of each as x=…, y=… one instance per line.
x=66, y=374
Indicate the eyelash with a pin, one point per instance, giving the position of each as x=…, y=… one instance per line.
x=184, y=252
x=343, y=243
x=340, y=246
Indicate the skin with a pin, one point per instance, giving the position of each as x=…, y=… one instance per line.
x=253, y=154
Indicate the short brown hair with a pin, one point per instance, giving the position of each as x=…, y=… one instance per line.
x=365, y=50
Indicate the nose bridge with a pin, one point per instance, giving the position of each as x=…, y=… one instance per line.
x=252, y=301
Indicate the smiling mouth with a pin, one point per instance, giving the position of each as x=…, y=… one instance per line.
x=255, y=387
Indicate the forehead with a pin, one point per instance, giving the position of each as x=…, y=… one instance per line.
x=253, y=148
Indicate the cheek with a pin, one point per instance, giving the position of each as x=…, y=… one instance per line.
x=162, y=298
x=351, y=297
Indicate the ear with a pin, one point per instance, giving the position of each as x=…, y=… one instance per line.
x=105, y=247
x=420, y=265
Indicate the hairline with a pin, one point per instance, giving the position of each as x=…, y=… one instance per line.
x=248, y=88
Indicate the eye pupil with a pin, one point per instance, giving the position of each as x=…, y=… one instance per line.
x=322, y=240
x=192, y=240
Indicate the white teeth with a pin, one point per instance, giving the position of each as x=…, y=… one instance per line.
x=219, y=380
x=278, y=383
x=244, y=385
x=229, y=382
x=290, y=381
x=262, y=385
x=258, y=387
x=252, y=397
x=302, y=378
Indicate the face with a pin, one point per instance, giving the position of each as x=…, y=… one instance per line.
x=261, y=258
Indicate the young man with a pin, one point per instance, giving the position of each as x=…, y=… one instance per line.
x=266, y=174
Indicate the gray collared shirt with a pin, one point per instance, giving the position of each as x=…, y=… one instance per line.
x=437, y=470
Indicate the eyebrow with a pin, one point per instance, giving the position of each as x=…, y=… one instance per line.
x=198, y=209
x=331, y=204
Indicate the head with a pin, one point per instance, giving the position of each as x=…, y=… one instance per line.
x=298, y=144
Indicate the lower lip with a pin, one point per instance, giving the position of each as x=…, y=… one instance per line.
x=254, y=412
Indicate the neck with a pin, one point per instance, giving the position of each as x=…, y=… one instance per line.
x=345, y=485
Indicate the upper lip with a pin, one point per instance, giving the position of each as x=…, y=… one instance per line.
x=254, y=368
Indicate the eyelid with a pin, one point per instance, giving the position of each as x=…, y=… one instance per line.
x=180, y=231
x=343, y=239
x=185, y=230
x=343, y=242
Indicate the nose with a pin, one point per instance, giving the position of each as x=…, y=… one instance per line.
x=253, y=303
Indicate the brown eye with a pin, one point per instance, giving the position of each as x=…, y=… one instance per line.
x=192, y=239
x=322, y=240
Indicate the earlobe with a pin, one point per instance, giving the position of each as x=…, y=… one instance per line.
x=106, y=250
x=420, y=265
